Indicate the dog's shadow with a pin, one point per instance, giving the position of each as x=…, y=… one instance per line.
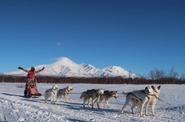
x=100, y=109
x=76, y=120
x=16, y=95
x=174, y=108
x=74, y=106
x=69, y=105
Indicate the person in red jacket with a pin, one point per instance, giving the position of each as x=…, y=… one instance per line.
x=31, y=81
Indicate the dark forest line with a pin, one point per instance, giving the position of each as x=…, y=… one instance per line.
x=95, y=80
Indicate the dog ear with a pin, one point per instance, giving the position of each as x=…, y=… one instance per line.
x=158, y=87
x=146, y=88
x=153, y=87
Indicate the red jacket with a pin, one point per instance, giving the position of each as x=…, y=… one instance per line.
x=31, y=74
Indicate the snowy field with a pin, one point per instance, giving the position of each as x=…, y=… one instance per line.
x=15, y=108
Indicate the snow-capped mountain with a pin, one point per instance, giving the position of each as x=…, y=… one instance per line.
x=119, y=71
x=68, y=68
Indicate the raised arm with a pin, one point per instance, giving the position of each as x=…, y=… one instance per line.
x=22, y=69
x=40, y=70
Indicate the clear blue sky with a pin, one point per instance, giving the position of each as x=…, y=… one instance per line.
x=135, y=34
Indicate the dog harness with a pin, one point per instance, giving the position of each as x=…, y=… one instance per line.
x=147, y=95
x=135, y=96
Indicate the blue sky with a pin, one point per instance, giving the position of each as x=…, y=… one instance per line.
x=139, y=35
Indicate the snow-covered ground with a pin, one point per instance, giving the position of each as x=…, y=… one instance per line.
x=15, y=108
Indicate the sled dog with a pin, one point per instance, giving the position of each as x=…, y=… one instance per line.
x=139, y=98
x=93, y=95
x=108, y=95
x=51, y=94
x=153, y=99
x=64, y=93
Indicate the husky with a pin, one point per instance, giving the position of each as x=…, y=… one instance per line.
x=107, y=95
x=85, y=98
x=153, y=99
x=51, y=94
x=93, y=95
x=64, y=93
x=139, y=98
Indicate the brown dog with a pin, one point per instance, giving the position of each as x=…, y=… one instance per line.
x=108, y=95
x=93, y=95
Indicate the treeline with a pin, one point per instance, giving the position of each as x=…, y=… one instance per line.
x=102, y=80
x=161, y=74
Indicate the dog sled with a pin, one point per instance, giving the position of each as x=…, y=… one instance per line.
x=31, y=90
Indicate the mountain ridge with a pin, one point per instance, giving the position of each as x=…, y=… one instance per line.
x=67, y=68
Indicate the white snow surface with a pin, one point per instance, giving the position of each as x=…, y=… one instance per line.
x=15, y=108
x=66, y=67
